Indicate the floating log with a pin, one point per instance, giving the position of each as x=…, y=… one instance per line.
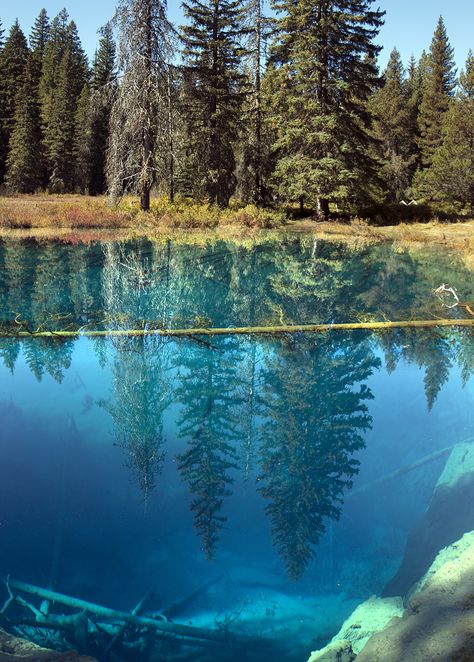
x=112, y=615
x=241, y=330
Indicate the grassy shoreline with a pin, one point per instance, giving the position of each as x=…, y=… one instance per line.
x=81, y=219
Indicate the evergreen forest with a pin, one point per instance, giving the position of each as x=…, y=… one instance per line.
x=279, y=107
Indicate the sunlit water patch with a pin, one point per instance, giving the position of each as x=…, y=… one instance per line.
x=254, y=489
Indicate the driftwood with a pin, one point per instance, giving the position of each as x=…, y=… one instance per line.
x=242, y=330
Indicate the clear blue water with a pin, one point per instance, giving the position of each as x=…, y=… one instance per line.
x=232, y=482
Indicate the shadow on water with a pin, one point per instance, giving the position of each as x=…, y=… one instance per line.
x=113, y=451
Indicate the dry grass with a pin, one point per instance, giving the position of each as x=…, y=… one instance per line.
x=59, y=212
x=76, y=212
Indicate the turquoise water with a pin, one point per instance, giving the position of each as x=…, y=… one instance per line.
x=237, y=484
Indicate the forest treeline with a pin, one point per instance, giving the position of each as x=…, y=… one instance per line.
x=235, y=104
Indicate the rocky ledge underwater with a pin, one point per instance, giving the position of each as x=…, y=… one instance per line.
x=426, y=612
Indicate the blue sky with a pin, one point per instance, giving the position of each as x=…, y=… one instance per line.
x=409, y=24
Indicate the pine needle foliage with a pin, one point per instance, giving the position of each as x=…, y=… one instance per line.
x=213, y=95
x=323, y=61
x=438, y=86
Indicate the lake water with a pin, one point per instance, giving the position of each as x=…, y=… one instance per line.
x=252, y=485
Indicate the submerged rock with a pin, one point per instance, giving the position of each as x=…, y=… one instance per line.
x=13, y=648
x=449, y=514
x=437, y=624
x=369, y=617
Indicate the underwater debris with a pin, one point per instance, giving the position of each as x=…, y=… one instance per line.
x=96, y=628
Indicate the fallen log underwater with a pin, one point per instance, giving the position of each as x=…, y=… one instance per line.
x=239, y=331
x=100, y=616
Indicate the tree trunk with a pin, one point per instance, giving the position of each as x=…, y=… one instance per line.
x=301, y=206
x=215, y=163
x=324, y=208
x=147, y=139
x=170, y=140
x=145, y=198
x=258, y=111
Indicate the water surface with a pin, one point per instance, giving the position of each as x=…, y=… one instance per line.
x=233, y=482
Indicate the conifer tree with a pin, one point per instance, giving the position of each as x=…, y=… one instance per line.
x=450, y=178
x=1, y=34
x=323, y=59
x=23, y=172
x=13, y=60
x=60, y=136
x=213, y=98
x=253, y=143
x=438, y=86
x=103, y=88
x=414, y=84
x=64, y=74
x=83, y=142
x=40, y=34
x=391, y=108
x=38, y=39
x=53, y=53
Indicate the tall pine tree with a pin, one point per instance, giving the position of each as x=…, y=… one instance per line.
x=13, y=60
x=40, y=34
x=450, y=178
x=23, y=171
x=391, y=108
x=60, y=139
x=35, y=151
x=213, y=96
x=438, y=86
x=103, y=88
x=64, y=74
x=83, y=142
x=323, y=58
x=253, y=140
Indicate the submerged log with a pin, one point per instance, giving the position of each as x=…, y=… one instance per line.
x=179, y=606
x=432, y=457
x=112, y=615
x=242, y=330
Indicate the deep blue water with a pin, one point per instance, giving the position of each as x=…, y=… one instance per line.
x=226, y=480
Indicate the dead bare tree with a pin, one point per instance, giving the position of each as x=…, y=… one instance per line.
x=137, y=156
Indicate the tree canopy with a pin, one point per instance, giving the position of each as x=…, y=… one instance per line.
x=283, y=110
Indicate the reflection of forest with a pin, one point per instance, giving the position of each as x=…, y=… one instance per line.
x=288, y=413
